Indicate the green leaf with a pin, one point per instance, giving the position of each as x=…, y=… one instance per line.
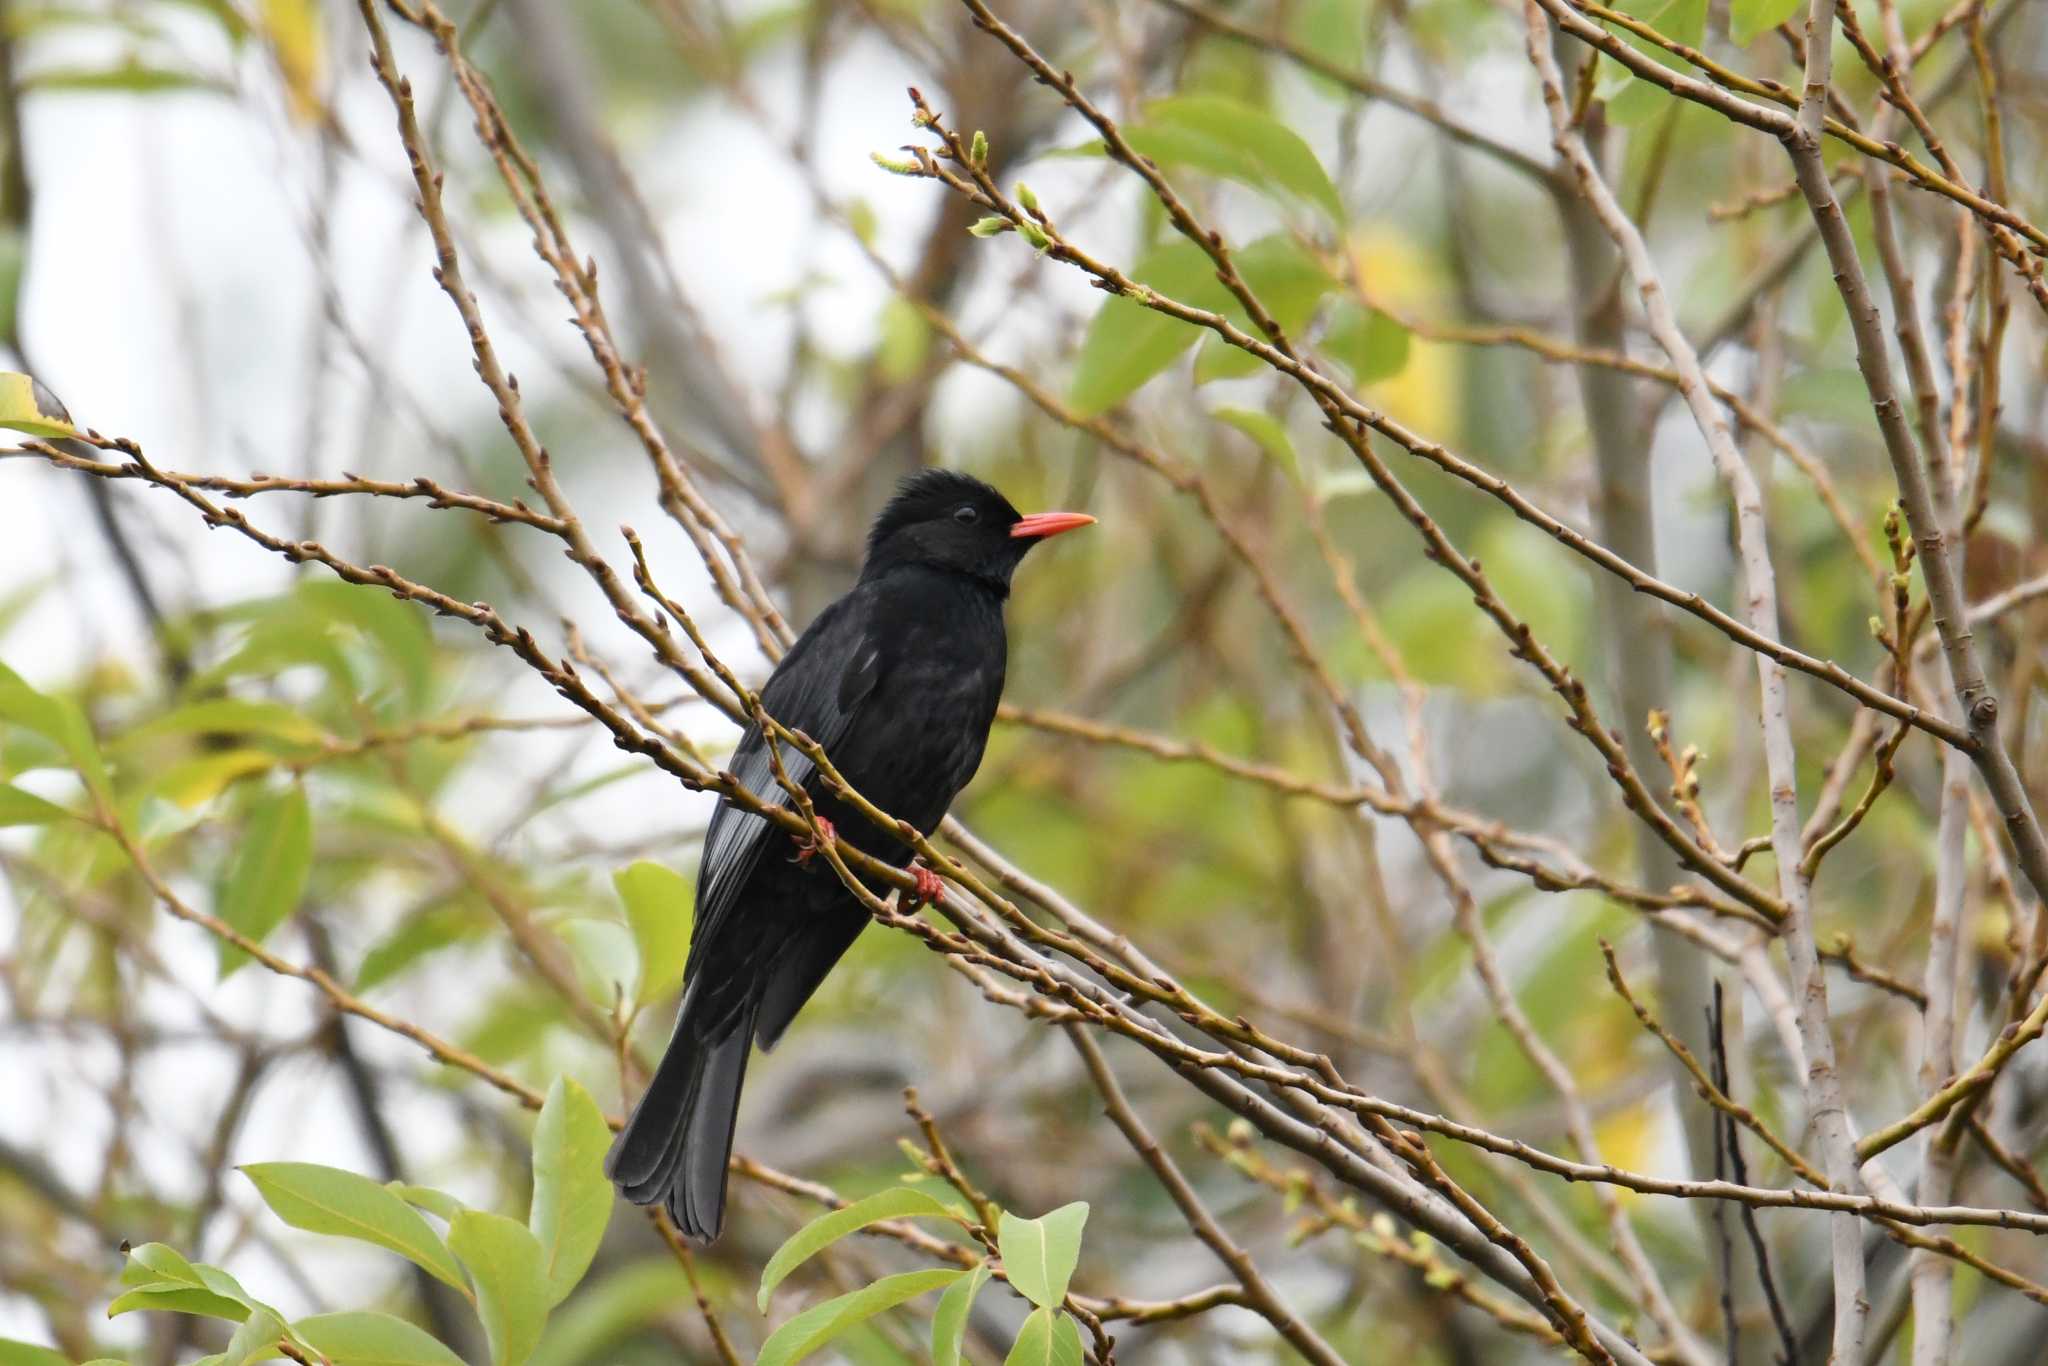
x=425, y=931
x=860, y=216
x=1266, y=432
x=1040, y=1254
x=1128, y=343
x=1335, y=31
x=178, y=1299
x=1748, y=18
x=161, y=1278
x=821, y=1323
x=602, y=950
x=368, y=1338
x=281, y=637
x=328, y=1200
x=155, y=1263
x=136, y=77
x=903, y=340
x=1368, y=343
x=25, y=592
x=1048, y=1338
x=659, y=906
x=1629, y=98
x=224, y=14
x=596, y=783
x=440, y=1204
x=14, y=1353
x=58, y=720
x=572, y=1198
x=898, y=1202
x=1287, y=282
x=26, y=808
x=507, y=1265
x=267, y=875
x=26, y=406
x=1833, y=395
x=397, y=628
x=255, y=1340
x=235, y=716
x=949, y=1321
x=1237, y=141
x=13, y=261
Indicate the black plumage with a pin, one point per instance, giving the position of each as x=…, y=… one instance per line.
x=898, y=682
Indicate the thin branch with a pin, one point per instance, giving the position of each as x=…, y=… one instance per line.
x=1259, y=1294
x=1826, y=1107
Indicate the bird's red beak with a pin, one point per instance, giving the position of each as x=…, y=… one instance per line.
x=1042, y=524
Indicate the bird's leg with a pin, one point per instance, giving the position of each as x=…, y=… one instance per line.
x=807, y=846
x=930, y=889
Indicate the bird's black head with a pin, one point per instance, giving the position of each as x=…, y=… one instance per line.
x=943, y=519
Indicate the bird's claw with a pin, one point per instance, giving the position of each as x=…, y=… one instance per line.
x=930, y=889
x=807, y=846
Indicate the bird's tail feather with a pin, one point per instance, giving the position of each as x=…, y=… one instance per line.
x=674, y=1149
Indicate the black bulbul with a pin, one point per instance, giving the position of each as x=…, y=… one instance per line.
x=898, y=682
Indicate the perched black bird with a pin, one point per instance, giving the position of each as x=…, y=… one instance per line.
x=898, y=682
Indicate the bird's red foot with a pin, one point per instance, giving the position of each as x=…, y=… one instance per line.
x=930, y=889
x=808, y=846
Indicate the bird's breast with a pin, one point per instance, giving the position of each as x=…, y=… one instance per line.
x=921, y=733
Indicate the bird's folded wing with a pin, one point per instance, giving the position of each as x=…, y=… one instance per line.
x=817, y=689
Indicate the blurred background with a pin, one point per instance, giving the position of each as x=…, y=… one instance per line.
x=209, y=244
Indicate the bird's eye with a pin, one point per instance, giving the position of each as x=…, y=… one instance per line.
x=966, y=514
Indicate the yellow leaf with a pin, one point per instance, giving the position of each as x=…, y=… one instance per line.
x=1394, y=270
x=26, y=406
x=195, y=782
x=293, y=27
x=1630, y=1138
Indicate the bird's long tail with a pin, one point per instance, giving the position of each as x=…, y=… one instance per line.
x=674, y=1149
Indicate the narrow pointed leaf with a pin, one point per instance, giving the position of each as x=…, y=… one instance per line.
x=26, y=808
x=898, y=1202
x=234, y=716
x=508, y=1268
x=368, y=1338
x=268, y=874
x=178, y=1299
x=155, y=1263
x=572, y=1199
x=820, y=1324
x=161, y=1278
x=328, y=1200
x=58, y=720
x=949, y=1321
